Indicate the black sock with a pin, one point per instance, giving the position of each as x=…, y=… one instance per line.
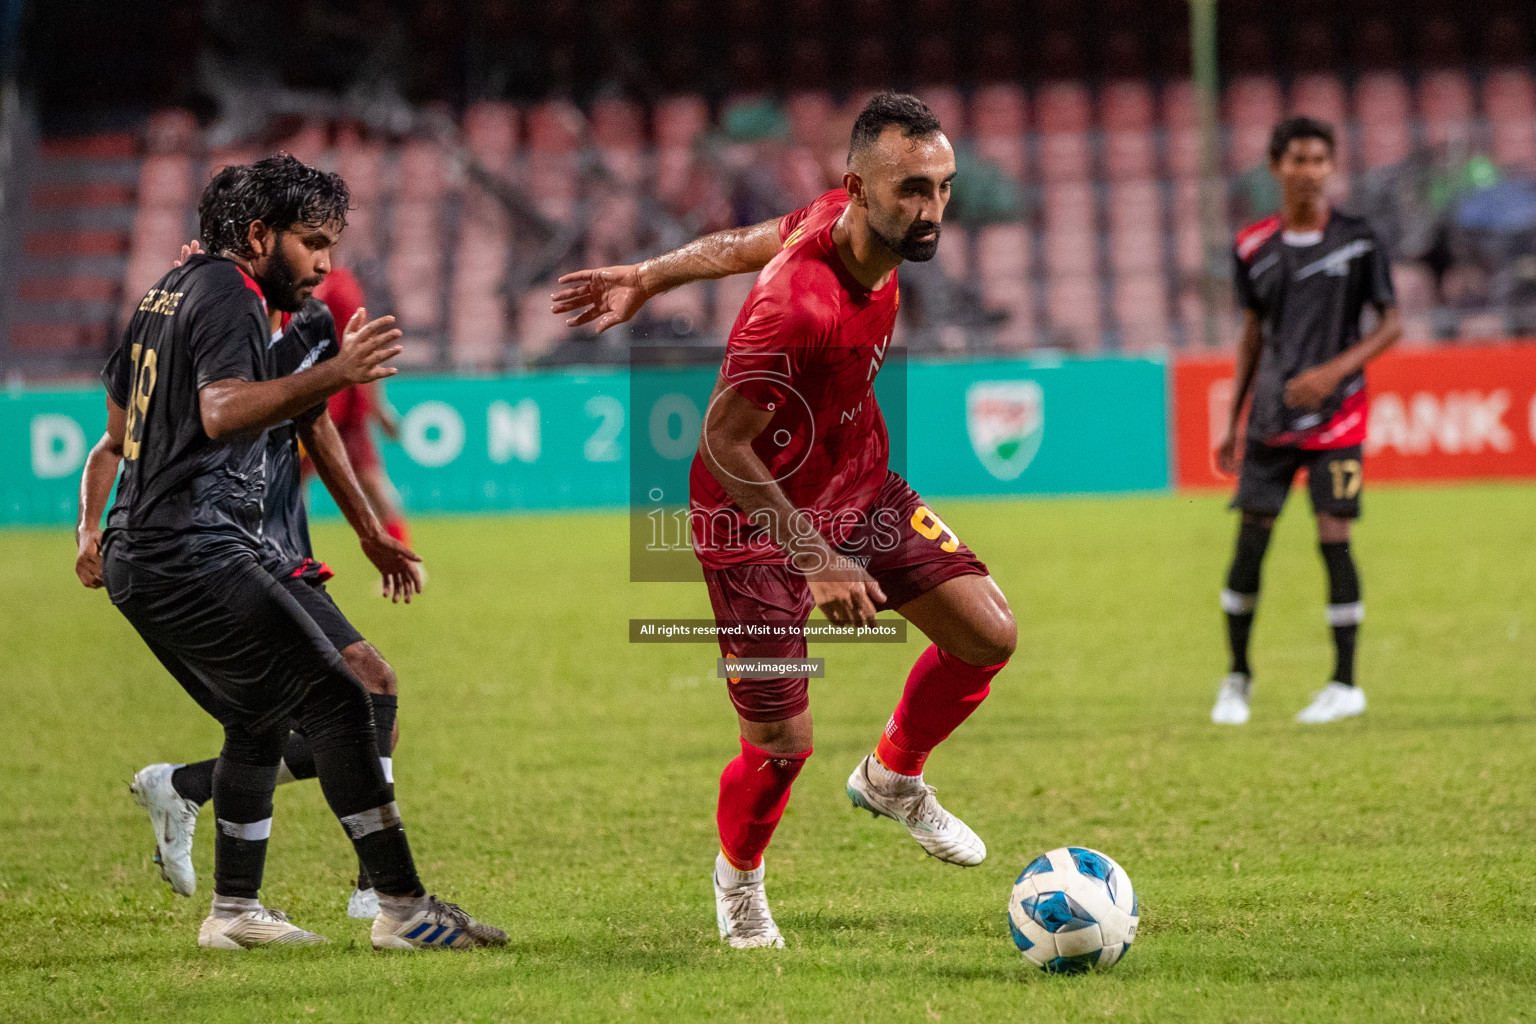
x=1345, y=610
x=298, y=757
x=338, y=721
x=1241, y=598
x=385, y=708
x=195, y=781
x=354, y=786
x=242, y=805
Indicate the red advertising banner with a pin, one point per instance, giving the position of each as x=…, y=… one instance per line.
x=1440, y=414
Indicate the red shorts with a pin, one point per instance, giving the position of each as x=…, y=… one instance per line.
x=910, y=551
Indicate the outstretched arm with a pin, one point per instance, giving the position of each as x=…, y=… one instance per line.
x=395, y=562
x=611, y=295
x=95, y=488
x=235, y=406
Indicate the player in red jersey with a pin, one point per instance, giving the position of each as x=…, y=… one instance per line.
x=355, y=408
x=794, y=506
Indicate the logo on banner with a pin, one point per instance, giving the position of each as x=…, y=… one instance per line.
x=1006, y=421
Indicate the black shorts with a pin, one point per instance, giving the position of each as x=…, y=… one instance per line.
x=1334, y=478
x=235, y=638
x=316, y=600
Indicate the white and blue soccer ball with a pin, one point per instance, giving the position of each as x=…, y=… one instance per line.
x=1073, y=910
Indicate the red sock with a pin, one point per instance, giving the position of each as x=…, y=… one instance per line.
x=941, y=692
x=397, y=529
x=754, y=790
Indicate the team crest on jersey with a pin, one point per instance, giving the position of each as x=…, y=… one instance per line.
x=1006, y=421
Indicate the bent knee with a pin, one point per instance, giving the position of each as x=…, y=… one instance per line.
x=370, y=668
x=992, y=641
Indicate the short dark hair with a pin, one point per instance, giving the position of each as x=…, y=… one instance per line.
x=1293, y=128
x=887, y=109
x=279, y=191
x=217, y=210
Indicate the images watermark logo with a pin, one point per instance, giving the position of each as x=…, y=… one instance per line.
x=1006, y=421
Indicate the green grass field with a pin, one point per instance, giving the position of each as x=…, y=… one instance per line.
x=561, y=783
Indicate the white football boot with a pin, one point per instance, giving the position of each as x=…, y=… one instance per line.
x=741, y=907
x=1331, y=703
x=1232, y=699
x=235, y=923
x=913, y=804
x=174, y=819
x=363, y=904
x=426, y=922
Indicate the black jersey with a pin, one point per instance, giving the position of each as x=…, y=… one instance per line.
x=180, y=491
x=307, y=339
x=1309, y=298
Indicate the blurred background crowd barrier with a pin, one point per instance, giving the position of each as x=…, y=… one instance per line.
x=481, y=170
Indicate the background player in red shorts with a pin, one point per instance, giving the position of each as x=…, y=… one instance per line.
x=353, y=409
x=793, y=502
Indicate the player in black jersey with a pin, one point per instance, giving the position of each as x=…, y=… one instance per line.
x=173, y=794
x=191, y=391
x=1304, y=278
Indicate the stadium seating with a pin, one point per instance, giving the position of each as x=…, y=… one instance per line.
x=460, y=229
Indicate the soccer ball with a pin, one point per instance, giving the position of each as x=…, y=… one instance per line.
x=1073, y=910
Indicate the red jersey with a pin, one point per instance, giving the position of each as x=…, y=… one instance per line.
x=806, y=346
x=342, y=292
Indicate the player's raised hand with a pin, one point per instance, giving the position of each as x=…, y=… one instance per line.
x=192, y=248
x=845, y=593
x=365, y=346
x=602, y=297
x=398, y=565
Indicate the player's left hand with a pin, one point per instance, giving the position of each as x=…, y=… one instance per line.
x=88, y=561
x=399, y=566
x=1310, y=388
x=602, y=297
x=192, y=248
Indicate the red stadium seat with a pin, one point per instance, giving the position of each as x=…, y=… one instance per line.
x=1182, y=124
x=1003, y=252
x=678, y=121
x=555, y=127
x=1382, y=108
x=1322, y=96
x=1136, y=227
x=948, y=106
x=477, y=318
x=810, y=117
x=1014, y=296
x=1510, y=100
x=618, y=128
x=955, y=252
x=1126, y=114
x=1073, y=307
x=537, y=330
x=1141, y=310
x=490, y=133
x=1253, y=108
x=999, y=116
x=1448, y=108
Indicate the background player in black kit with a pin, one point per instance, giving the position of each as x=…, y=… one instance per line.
x=191, y=391
x=173, y=794
x=1304, y=277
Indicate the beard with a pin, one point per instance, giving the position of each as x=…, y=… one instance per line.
x=281, y=285
x=907, y=245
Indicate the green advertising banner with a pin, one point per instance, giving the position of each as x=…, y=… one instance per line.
x=568, y=440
